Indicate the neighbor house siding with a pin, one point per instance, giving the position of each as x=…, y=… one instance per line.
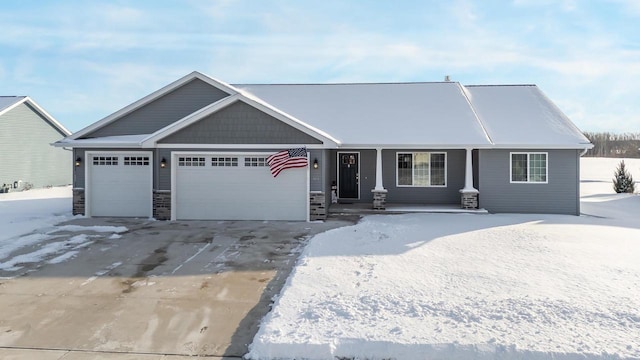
x=163, y=111
x=450, y=194
x=560, y=195
x=239, y=123
x=25, y=138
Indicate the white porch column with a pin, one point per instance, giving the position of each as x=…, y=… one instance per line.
x=379, y=185
x=468, y=174
x=469, y=194
x=379, y=192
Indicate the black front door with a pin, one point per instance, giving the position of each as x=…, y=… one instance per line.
x=348, y=176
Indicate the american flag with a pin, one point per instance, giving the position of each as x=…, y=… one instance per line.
x=286, y=159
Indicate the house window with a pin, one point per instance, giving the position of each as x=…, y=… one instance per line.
x=421, y=169
x=190, y=161
x=529, y=167
x=105, y=160
x=255, y=161
x=224, y=161
x=136, y=160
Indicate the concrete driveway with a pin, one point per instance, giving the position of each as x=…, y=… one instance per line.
x=163, y=290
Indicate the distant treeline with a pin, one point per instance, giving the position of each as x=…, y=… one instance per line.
x=607, y=144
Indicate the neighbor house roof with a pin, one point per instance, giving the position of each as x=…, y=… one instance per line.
x=7, y=103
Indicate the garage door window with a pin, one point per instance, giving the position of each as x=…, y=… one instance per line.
x=105, y=160
x=190, y=161
x=224, y=161
x=136, y=160
x=255, y=161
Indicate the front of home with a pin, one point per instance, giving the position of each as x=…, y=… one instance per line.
x=198, y=149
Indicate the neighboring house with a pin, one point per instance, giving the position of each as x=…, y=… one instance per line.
x=197, y=149
x=26, y=157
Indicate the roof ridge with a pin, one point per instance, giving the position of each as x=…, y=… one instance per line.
x=349, y=83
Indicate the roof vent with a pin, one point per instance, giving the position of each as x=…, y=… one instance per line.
x=447, y=78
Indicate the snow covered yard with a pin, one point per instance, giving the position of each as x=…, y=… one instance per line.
x=453, y=286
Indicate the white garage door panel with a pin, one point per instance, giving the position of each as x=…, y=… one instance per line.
x=120, y=190
x=239, y=193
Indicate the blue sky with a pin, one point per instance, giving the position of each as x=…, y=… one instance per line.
x=82, y=60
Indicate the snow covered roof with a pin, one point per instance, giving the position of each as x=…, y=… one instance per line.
x=517, y=115
x=105, y=141
x=392, y=114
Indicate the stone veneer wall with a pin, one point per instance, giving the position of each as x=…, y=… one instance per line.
x=469, y=200
x=317, y=208
x=78, y=201
x=379, y=199
x=162, y=205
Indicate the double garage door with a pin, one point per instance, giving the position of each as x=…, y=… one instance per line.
x=236, y=187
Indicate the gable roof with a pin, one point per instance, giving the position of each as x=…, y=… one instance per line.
x=382, y=114
x=153, y=96
x=8, y=103
x=402, y=115
x=521, y=115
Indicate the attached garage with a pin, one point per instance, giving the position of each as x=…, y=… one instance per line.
x=119, y=184
x=236, y=187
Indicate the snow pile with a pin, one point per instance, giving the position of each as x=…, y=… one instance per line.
x=456, y=286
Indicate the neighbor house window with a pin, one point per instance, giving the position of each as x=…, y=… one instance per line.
x=422, y=169
x=529, y=167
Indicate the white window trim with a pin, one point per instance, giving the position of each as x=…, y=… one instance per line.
x=528, y=169
x=446, y=167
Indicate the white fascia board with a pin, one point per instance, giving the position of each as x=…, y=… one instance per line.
x=544, y=146
x=213, y=147
x=151, y=140
x=47, y=116
x=290, y=120
x=415, y=146
x=153, y=96
x=13, y=106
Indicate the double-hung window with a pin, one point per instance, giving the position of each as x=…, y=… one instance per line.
x=529, y=167
x=421, y=169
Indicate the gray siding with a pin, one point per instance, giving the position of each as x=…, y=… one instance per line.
x=424, y=195
x=163, y=111
x=316, y=176
x=26, y=154
x=240, y=123
x=559, y=196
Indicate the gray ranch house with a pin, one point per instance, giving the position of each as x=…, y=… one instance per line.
x=26, y=132
x=198, y=149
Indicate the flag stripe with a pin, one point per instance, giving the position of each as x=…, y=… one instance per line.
x=287, y=159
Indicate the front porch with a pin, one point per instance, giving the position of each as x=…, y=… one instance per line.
x=366, y=208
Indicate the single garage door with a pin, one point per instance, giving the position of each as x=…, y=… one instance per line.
x=237, y=187
x=119, y=184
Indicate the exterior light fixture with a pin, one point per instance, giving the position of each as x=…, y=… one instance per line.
x=78, y=161
x=163, y=163
x=315, y=163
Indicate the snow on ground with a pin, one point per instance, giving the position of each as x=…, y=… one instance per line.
x=460, y=286
x=29, y=233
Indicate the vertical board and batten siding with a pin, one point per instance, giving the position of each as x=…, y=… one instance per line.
x=25, y=138
x=559, y=196
x=163, y=111
x=450, y=194
x=239, y=123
